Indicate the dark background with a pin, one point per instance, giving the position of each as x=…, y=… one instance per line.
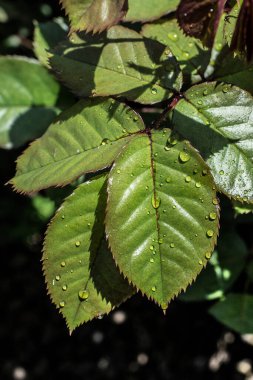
x=136, y=341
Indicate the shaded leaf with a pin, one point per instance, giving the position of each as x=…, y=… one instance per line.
x=189, y=52
x=200, y=18
x=217, y=119
x=94, y=15
x=29, y=100
x=46, y=36
x=235, y=312
x=226, y=264
x=243, y=35
x=149, y=11
x=120, y=63
x=162, y=214
x=85, y=138
x=242, y=209
x=81, y=276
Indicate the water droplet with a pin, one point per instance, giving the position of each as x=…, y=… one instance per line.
x=152, y=260
x=88, y=224
x=105, y=141
x=77, y=243
x=64, y=288
x=63, y=216
x=209, y=233
x=208, y=255
x=212, y=215
x=195, y=171
x=184, y=157
x=153, y=288
x=136, y=118
x=172, y=140
x=83, y=295
x=172, y=245
x=154, y=91
x=167, y=148
x=204, y=172
x=173, y=36
x=168, y=179
x=188, y=179
x=62, y=304
x=198, y=185
x=200, y=262
x=225, y=89
x=57, y=278
x=186, y=54
x=205, y=92
x=221, y=172
x=160, y=241
x=151, y=248
x=155, y=201
x=199, y=102
x=63, y=264
x=215, y=201
x=118, y=171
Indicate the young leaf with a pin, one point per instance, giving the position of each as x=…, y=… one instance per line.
x=235, y=311
x=85, y=138
x=189, y=52
x=217, y=119
x=82, y=278
x=200, y=18
x=226, y=264
x=120, y=63
x=46, y=36
x=94, y=15
x=28, y=100
x=162, y=214
x=150, y=10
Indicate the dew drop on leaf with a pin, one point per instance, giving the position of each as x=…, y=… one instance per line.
x=63, y=264
x=83, y=295
x=208, y=255
x=198, y=185
x=184, y=157
x=152, y=260
x=154, y=91
x=188, y=179
x=221, y=172
x=172, y=245
x=153, y=288
x=64, y=288
x=77, y=243
x=209, y=233
x=173, y=36
x=151, y=248
x=57, y=278
x=215, y=201
x=155, y=201
x=212, y=215
x=62, y=304
x=200, y=262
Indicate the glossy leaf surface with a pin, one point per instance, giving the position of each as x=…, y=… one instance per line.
x=162, y=214
x=94, y=15
x=120, y=63
x=85, y=138
x=82, y=278
x=150, y=10
x=28, y=100
x=218, y=120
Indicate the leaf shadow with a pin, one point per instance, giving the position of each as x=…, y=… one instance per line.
x=104, y=274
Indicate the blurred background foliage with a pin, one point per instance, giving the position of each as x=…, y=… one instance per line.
x=136, y=341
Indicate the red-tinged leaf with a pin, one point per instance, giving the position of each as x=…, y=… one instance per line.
x=200, y=19
x=243, y=35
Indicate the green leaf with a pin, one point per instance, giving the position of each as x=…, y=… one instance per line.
x=217, y=119
x=150, y=10
x=235, y=312
x=242, y=209
x=162, y=214
x=82, y=278
x=46, y=36
x=85, y=138
x=192, y=57
x=222, y=271
x=94, y=15
x=28, y=100
x=120, y=63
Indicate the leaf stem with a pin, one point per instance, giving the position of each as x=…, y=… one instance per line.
x=171, y=104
